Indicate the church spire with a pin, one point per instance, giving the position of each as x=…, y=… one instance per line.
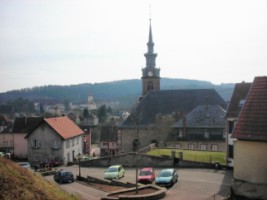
x=151, y=74
x=150, y=43
x=150, y=55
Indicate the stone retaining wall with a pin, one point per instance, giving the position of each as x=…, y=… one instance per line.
x=129, y=160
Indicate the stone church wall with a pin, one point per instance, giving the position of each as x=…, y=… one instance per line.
x=146, y=136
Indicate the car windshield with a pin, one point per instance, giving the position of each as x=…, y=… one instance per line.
x=66, y=174
x=112, y=169
x=165, y=174
x=145, y=173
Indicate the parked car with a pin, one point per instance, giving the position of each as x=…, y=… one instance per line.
x=63, y=176
x=166, y=177
x=114, y=172
x=24, y=164
x=146, y=175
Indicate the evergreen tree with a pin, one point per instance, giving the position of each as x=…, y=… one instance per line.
x=102, y=113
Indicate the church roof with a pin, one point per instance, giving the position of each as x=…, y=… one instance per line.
x=204, y=116
x=237, y=100
x=172, y=102
x=252, y=121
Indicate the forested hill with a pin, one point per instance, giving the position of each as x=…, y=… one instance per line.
x=120, y=91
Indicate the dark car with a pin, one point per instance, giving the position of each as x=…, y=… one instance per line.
x=166, y=177
x=64, y=177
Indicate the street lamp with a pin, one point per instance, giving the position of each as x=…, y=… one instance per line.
x=79, y=159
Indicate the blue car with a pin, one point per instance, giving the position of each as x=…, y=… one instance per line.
x=166, y=177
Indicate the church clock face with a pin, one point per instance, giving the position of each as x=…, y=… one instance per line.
x=150, y=73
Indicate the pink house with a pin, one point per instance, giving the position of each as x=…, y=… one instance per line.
x=22, y=126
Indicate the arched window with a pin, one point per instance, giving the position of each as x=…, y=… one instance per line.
x=136, y=144
x=150, y=86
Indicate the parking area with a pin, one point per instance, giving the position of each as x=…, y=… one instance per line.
x=201, y=184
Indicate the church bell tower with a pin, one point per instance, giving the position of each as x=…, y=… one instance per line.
x=150, y=74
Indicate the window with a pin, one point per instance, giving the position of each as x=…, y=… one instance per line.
x=180, y=133
x=36, y=144
x=231, y=125
x=77, y=140
x=178, y=146
x=214, y=147
x=230, y=151
x=67, y=144
x=206, y=134
x=55, y=144
x=203, y=147
x=191, y=146
x=72, y=141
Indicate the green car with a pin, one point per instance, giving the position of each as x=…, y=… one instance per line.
x=114, y=172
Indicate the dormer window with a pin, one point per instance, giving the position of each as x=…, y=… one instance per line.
x=180, y=133
x=206, y=134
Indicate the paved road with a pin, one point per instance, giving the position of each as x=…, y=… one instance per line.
x=193, y=184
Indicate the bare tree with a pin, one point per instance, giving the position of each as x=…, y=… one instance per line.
x=136, y=117
x=163, y=125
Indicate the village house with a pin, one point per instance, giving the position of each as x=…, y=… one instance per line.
x=109, y=141
x=55, y=139
x=250, y=147
x=12, y=139
x=201, y=129
x=4, y=122
x=236, y=104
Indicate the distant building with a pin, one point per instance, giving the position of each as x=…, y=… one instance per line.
x=250, y=147
x=202, y=129
x=109, y=141
x=4, y=122
x=154, y=102
x=12, y=138
x=236, y=104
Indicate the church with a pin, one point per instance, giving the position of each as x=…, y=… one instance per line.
x=159, y=113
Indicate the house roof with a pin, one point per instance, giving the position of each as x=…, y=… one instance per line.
x=4, y=121
x=171, y=102
x=236, y=103
x=204, y=116
x=107, y=134
x=26, y=124
x=252, y=121
x=65, y=127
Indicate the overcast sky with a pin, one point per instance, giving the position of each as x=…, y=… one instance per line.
x=45, y=42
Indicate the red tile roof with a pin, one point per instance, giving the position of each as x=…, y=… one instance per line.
x=252, y=121
x=65, y=127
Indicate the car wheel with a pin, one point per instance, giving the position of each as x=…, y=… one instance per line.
x=172, y=183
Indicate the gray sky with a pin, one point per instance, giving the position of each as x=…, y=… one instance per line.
x=65, y=42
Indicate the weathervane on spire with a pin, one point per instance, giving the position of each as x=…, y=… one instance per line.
x=150, y=12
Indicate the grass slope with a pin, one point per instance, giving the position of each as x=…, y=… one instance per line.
x=19, y=183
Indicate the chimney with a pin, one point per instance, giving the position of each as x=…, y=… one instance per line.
x=184, y=123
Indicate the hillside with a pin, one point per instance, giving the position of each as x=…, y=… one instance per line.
x=124, y=91
x=22, y=184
